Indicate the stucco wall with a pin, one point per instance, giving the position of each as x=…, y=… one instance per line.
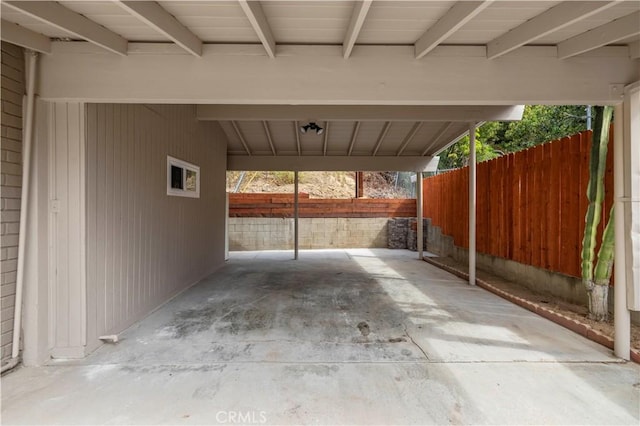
x=252, y=233
x=13, y=88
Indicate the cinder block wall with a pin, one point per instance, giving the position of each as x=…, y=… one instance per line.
x=540, y=280
x=256, y=233
x=13, y=88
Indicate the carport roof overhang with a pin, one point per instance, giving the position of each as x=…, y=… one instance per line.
x=320, y=75
x=406, y=110
x=355, y=137
x=344, y=64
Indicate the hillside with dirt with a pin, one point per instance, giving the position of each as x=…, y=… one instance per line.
x=322, y=184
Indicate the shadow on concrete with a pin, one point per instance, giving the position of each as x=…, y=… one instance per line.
x=340, y=337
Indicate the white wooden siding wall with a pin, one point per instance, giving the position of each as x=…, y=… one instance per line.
x=67, y=195
x=142, y=245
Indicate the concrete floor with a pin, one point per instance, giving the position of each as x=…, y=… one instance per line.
x=337, y=337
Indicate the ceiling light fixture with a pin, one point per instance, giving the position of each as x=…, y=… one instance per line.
x=311, y=126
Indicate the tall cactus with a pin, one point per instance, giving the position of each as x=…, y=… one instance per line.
x=598, y=288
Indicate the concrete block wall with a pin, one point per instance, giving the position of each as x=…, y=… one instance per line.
x=13, y=88
x=540, y=280
x=255, y=233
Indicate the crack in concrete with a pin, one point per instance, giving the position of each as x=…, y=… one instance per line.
x=406, y=332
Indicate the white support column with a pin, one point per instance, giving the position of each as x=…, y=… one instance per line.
x=420, y=237
x=31, y=62
x=622, y=317
x=226, y=226
x=631, y=195
x=472, y=204
x=295, y=215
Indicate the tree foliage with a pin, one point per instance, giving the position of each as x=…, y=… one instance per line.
x=539, y=124
x=458, y=154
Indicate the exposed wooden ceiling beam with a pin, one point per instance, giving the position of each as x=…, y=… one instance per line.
x=620, y=29
x=21, y=36
x=464, y=113
x=438, y=137
x=269, y=138
x=634, y=50
x=354, y=136
x=241, y=137
x=53, y=13
x=409, y=137
x=554, y=19
x=381, y=137
x=360, y=10
x=253, y=10
x=296, y=131
x=461, y=13
x=325, y=142
x=162, y=21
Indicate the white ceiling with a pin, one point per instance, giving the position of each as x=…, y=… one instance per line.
x=326, y=22
x=397, y=138
x=573, y=27
x=348, y=130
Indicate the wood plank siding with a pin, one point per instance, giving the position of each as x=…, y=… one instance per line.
x=144, y=246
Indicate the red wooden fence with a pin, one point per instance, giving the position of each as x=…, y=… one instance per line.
x=531, y=205
x=281, y=205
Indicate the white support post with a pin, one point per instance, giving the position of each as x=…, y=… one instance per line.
x=420, y=237
x=295, y=215
x=621, y=315
x=472, y=204
x=32, y=58
x=631, y=195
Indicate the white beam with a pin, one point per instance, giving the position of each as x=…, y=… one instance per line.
x=165, y=23
x=269, y=138
x=360, y=113
x=620, y=29
x=53, y=13
x=354, y=136
x=438, y=137
x=296, y=130
x=461, y=13
x=331, y=163
x=381, y=137
x=241, y=137
x=325, y=142
x=382, y=75
x=634, y=50
x=554, y=19
x=253, y=10
x=360, y=10
x=20, y=36
x=409, y=137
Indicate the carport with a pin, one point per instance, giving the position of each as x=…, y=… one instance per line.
x=122, y=92
x=341, y=337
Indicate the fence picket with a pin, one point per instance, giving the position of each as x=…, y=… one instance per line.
x=531, y=204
